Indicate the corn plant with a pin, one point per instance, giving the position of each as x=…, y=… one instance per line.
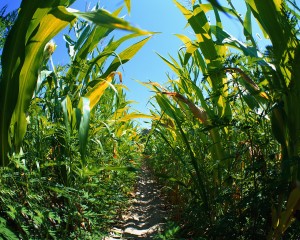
x=6, y=22
x=68, y=140
x=74, y=94
x=209, y=124
x=279, y=22
x=23, y=55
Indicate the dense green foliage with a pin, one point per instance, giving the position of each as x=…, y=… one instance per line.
x=227, y=138
x=6, y=22
x=71, y=150
x=224, y=138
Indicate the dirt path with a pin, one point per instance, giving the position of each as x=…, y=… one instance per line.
x=147, y=215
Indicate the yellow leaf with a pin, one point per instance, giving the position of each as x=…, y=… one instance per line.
x=128, y=5
x=135, y=115
x=97, y=91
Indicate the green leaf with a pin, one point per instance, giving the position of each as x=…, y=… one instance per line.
x=90, y=43
x=131, y=116
x=125, y=56
x=251, y=101
x=199, y=23
x=104, y=18
x=110, y=49
x=5, y=231
x=86, y=171
x=37, y=23
x=191, y=47
x=84, y=106
x=268, y=14
x=247, y=23
x=67, y=111
x=227, y=39
x=173, y=66
x=83, y=37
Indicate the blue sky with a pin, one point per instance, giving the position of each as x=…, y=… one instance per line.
x=153, y=15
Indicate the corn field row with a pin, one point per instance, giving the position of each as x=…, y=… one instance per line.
x=224, y=137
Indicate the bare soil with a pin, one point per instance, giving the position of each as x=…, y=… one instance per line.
x=146, y=216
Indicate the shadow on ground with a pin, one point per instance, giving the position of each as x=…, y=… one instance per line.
x=147, y=215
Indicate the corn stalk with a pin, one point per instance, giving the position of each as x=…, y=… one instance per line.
x=23, y=56
x=278, y=22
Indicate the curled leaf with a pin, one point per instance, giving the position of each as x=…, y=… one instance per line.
x=97, y=91
x=198, y=112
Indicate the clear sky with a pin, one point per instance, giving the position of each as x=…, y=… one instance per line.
x=153, y=15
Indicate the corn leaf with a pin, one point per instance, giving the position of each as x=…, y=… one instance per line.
x=104, y=18
x=287, y=216
x=84, y=106
x=97, y=91
x=199, y=23
x=199, y=113
x=128, y=5
x=22, y=57
x=125, y=56
x=131, y=116
x=109, y=50
x=247, y=23
x=268, y=15
x=67, y=112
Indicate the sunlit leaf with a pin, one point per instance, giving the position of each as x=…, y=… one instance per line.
x=97, y=91
x=104, y=18
x=21, y=59
x=128, y=5
x=131, y=116
x=125, y=56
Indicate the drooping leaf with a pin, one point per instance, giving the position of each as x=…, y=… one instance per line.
x=104, y=18
x=199, y=113
x=191, y=47
x=125, y=56
x=131, y=116
x=97, y=91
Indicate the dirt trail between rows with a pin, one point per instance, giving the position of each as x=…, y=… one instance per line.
x=146, y=216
